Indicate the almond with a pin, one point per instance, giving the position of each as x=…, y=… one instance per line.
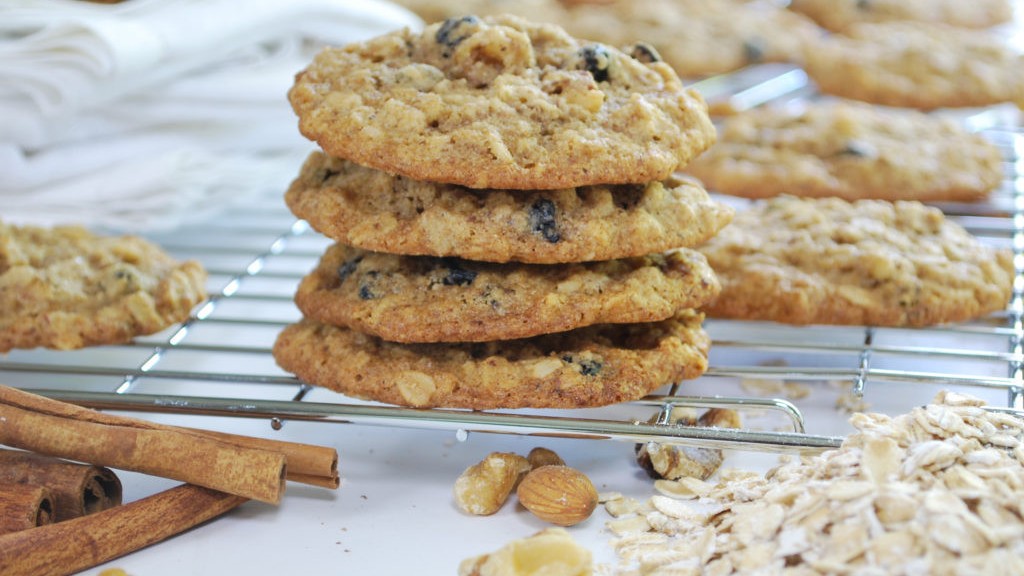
x=558, y=494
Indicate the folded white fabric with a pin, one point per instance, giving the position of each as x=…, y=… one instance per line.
x=138, y=115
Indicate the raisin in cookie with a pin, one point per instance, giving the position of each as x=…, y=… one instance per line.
x=838, y=15
x=592, y=366
x=918, y=65
x=870, y=262
x=66, y=288
x=378, y=211
x=498, y=102
x=427, y=299
x=850, y=151
x=698, y=37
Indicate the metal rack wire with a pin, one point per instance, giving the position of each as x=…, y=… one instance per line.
x=218, y=362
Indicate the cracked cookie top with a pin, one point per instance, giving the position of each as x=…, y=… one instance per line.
x=497, y=102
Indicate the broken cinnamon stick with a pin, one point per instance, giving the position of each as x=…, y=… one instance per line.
x=316, y=465
x=81, y=543
x=77, y=489
x=24, y=506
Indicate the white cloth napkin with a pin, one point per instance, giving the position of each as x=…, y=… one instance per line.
x=139, y=115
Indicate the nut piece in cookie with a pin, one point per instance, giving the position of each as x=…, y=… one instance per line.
x=67, y=288
x=498, y=102
x=592, y=366
x=870, y=262
x=851, y=151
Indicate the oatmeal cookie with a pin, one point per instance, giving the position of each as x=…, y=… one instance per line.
x=381, y=212
x=838, y=15
x=497, y=102
x=67, y=288
x=917, y=65
x=870, y=262
x=437, y=10
x=427, y=299
x=851, y=151
x=592, y=366
x=698, y=37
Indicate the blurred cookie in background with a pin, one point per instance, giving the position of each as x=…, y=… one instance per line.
x=437, y=10
x=838, y=15
x=917, y=65
x=850, y=150
x=698, y=38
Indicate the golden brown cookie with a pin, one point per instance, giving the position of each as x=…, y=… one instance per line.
x=66, y=288
x=427, y=299
x=837, y=15
x=437, y=10
x=917, y=65
x=870, y=262
x=377, y=211
x=851, y=151
x=497, y=102
x=592, y=366
x=698, y=37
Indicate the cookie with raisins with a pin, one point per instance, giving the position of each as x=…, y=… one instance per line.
x=429, y=299
x=869, y=262
x=67, y=288
x=497, y=102
x=698, y=37
x=593, y=366
x=377, y=211
x=849, y=150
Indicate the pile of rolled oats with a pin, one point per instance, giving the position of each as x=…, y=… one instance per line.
x=939, y=490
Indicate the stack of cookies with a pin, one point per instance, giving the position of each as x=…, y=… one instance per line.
x=509, y=231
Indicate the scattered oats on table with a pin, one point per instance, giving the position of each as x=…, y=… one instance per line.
x=934, y=491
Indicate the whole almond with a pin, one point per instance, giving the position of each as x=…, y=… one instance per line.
x=558, y=494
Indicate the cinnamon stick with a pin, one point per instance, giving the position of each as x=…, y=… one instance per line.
x=23, y=506
x=81, y=543
x=307, y=463
x=77, y=489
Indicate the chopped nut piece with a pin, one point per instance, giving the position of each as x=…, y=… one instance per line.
x=720, y=418
x=543, y=457
x=551, y=552
x=558, y=494
x=483, y=487
x=670, y=461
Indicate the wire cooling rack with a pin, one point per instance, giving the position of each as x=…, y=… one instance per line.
x=219, y=361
